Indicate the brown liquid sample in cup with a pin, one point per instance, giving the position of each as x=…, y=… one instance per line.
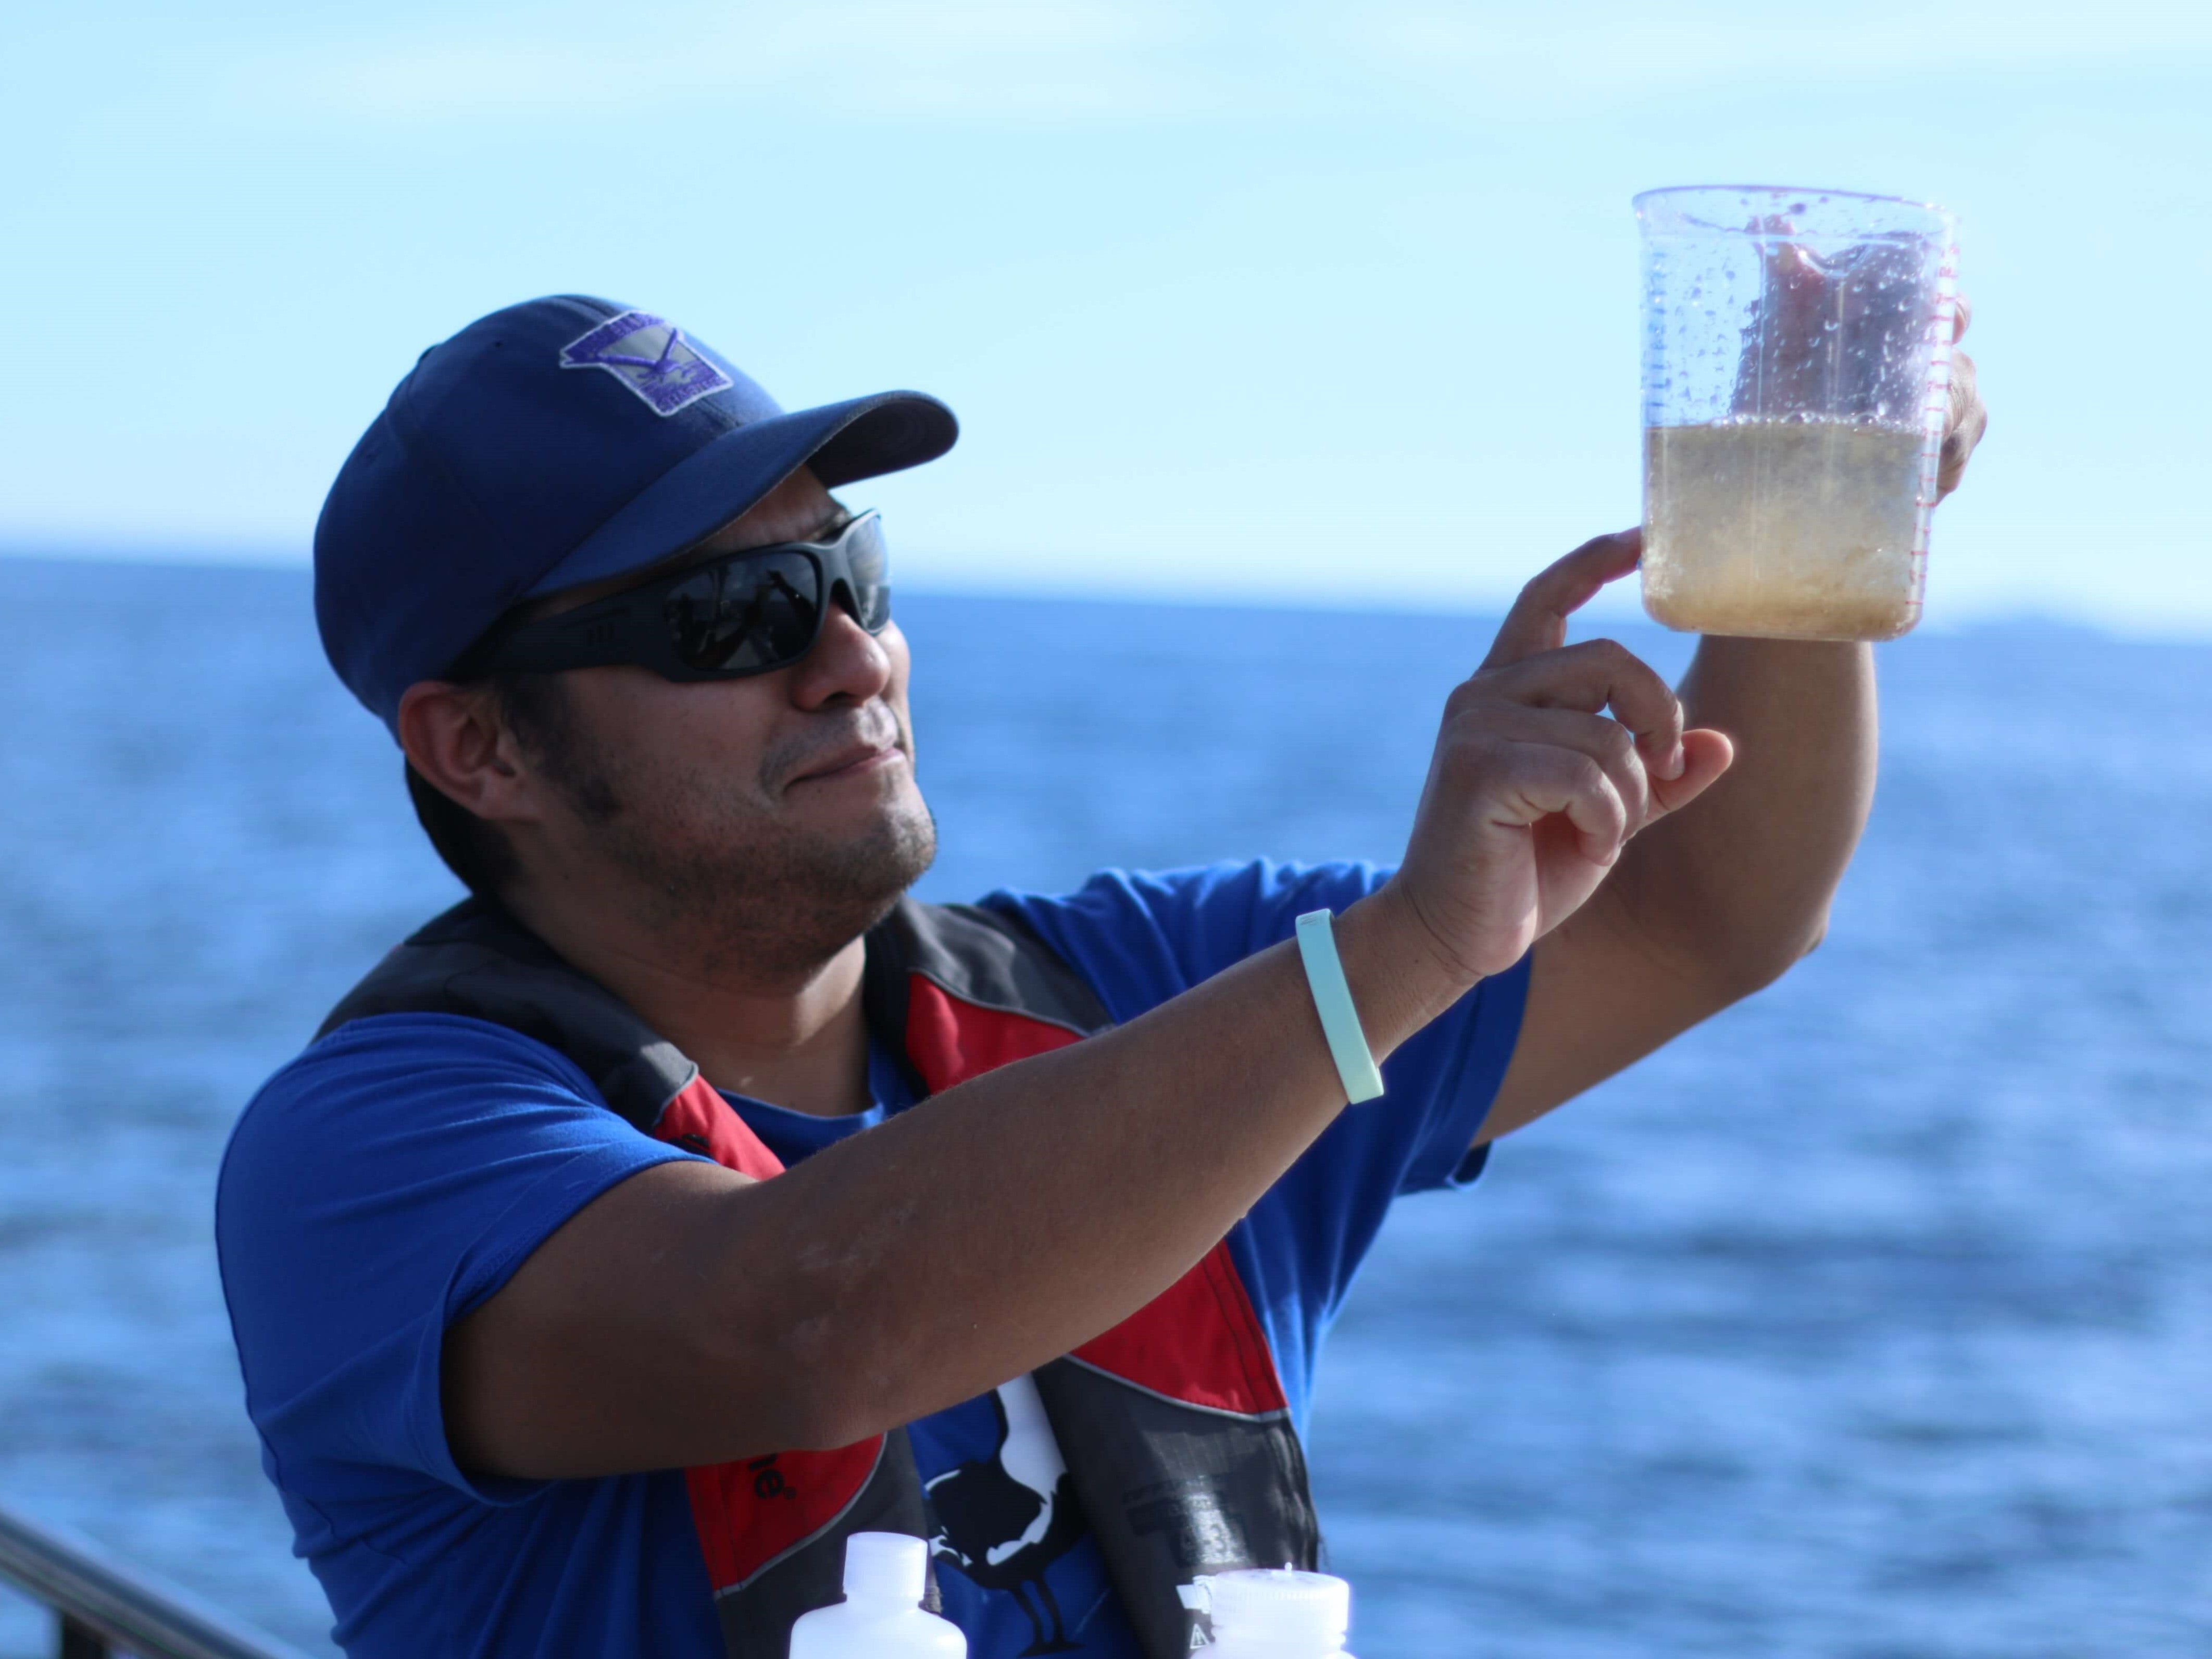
x=1785, y=529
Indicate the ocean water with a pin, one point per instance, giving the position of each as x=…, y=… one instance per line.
x=1873, y=1318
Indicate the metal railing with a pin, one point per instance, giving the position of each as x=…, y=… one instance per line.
x=104, y=1609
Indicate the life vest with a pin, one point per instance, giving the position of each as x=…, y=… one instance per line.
x=1174, y=1425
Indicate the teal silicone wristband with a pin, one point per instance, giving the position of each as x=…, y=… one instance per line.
x=1340, y=1020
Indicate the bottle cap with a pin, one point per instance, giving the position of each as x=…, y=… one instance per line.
x=1275, y=1604
x=886, y=1568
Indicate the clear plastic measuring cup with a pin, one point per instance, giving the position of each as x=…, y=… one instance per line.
x=1796, y=376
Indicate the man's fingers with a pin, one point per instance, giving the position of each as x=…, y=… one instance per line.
x=1962, y=318
x=1542, y=780
x=1644, y=798
x=1968, y=420
x=1538, y=620
x=1599, y=674
x=1706, y=755
x=1607, y=742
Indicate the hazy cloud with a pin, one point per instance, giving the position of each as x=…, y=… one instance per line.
x=968, y=59
x=1082, y=62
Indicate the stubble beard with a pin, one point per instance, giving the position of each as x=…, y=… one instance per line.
x=733, y=894
x=770, y=905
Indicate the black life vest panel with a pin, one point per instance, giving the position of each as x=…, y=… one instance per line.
x=1174, y=1425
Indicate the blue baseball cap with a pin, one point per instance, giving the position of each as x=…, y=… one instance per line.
x=555, y=443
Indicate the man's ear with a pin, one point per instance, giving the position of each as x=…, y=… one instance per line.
x=455, y=739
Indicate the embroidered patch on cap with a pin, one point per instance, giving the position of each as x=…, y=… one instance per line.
x=650, y=358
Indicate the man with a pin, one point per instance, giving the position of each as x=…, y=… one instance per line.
x=689, y=1199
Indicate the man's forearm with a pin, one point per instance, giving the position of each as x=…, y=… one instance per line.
x=1043, y=1202
x=1008, y=1220
x=1738, y=888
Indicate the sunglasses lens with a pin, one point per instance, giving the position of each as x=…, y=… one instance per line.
x=751, y=614
x=869, y=560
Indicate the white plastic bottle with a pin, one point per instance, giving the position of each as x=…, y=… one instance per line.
x=1272, y=1612
x=886, y=1574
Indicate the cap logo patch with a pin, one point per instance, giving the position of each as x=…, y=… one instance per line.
x=649, y=356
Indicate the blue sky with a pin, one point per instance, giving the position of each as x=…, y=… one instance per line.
x=1289, y=301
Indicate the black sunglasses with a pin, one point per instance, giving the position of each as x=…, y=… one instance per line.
x=748, y=612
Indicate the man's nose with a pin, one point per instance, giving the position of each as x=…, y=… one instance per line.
x=846, y=663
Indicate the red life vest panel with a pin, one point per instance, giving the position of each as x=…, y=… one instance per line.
x=1174, y=1426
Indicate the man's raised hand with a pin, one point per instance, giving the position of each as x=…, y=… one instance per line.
x=1535, y=787
x=1967, y=419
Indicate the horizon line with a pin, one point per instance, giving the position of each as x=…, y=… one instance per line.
x=1613, y=609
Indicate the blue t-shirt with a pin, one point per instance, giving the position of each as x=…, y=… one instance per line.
x=393, y=1178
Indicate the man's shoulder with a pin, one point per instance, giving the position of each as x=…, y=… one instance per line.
x=388, y=1050
x=1245, y=904
x=390, y=1073
x=401, y=1137
x=1141, y=936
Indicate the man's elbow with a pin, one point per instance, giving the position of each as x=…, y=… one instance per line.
x=1748, y=964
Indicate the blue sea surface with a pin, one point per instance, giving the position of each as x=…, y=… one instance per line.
x=1872, y=1319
